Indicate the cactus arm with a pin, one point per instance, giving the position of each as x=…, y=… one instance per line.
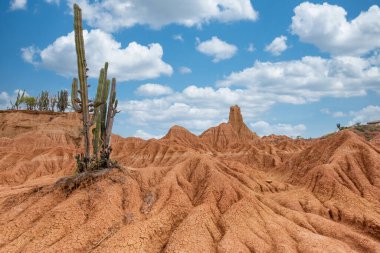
x=98, y=98
x=104, y=110
x=75, y=101
x=115, y=107
x=103, y=107
x=105, y=70
x=96, y=136
x=19, y=99
x=99, y=93
x=111, y=113
x=96, y=117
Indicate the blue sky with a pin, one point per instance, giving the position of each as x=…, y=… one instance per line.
x=294, y=67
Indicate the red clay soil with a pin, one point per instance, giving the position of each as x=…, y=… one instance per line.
x=226, y=190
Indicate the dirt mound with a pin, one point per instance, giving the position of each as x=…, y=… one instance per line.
x=37, y=145
x=226, y=190
x=181, y=136
x=371, y=132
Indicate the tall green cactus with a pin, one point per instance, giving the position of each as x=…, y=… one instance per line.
x=81, y=103
x=96, y=111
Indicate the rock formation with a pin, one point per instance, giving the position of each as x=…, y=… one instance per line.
x=231, y=134
x=235, y=119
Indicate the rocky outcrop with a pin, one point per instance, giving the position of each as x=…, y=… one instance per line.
x=236, y=121
x=233, y=134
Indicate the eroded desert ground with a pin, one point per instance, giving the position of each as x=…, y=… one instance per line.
x=227, y=190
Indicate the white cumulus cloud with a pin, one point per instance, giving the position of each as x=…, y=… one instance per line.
x=5, y=99
x=277, y=46
x=265, y=128
x=216, y=48
x=18, y=4
x=152, y=89
x=327, y=27
x=112, y=15
x=29, y=54
x=134, y=62
x=308, y=79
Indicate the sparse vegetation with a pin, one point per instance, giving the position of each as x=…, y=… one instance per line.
x=43, y=102
x=366, y=130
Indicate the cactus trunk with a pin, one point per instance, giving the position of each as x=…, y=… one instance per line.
x=96, y=142
x=82, y=69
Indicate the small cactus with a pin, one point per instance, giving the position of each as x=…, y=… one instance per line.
x=80, y=103
x=43, y=101
x=19, y=100
x=62, y=100
x=52, y=103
